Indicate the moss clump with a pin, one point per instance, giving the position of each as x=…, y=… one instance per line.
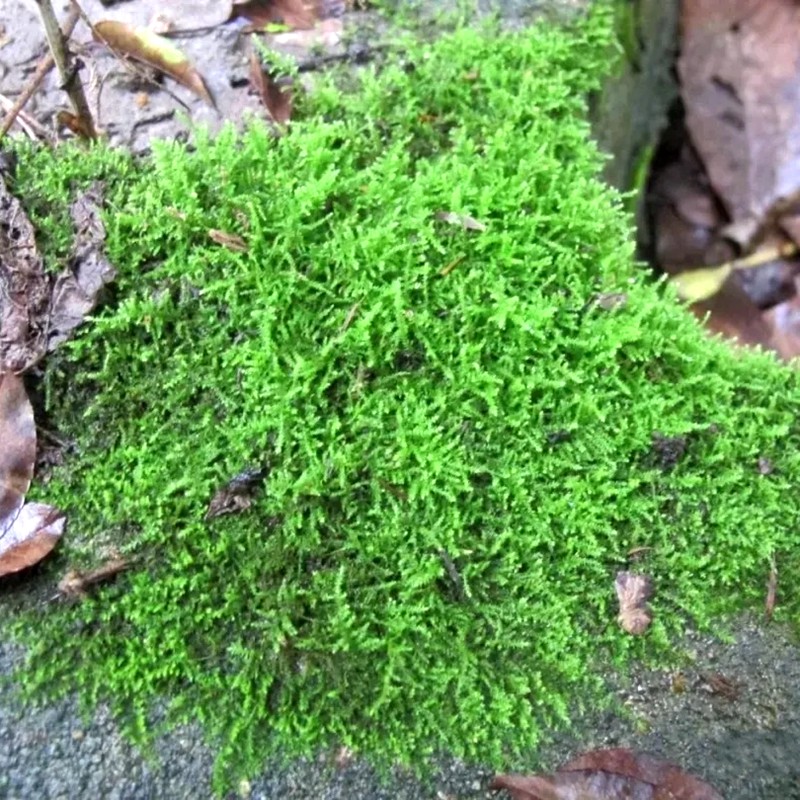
x=459, y=463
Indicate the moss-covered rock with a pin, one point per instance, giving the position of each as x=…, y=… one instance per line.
x=463, y=444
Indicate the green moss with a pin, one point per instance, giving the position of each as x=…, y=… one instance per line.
x=456, y=474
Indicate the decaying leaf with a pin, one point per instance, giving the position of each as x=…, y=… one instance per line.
x=17, y=448
x=77, y=288
x=238, y=494
x=695, y=285
x=276, y=95
x=230, y=240
x=671, y=781
x=740, y=81
x=633, y=592
x=80, y=127
x=149, y=48
x=577, y=785
x=611, y=774
x=464, y=221
x=31, y=536
x=24, y=289
x=721, y=686
x=76, y=584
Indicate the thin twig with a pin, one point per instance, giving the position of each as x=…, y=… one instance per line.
x=127, y=64
x=28, y=124
x=44, y=66
x=70, y=76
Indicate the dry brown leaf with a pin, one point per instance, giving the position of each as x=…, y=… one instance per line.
x=277, y=96
x=149, y=48
x=230, y=240
x=24, y=288
x=17, y=450
x=76, y=290
x=732, y=313
x=80, y=127
x=76, y=584
x=238, y=494
x=740, y=81
x=783, y=320
x=633, y=592
x=32, y=535
x=670, y=781
x=576, y=785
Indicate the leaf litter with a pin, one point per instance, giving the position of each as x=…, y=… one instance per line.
x=611, y=774
x=726, y=201
x=28, y=531
x=153, y=50
x=38, y=311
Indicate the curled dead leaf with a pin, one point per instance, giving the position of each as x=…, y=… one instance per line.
x=32, y=535
x=76, y=584
x=276, y=95
x=230, y=240
x=18, y=450
x=77, y=289
x=149, y=48
x=610, y=774
x=633, y=591
x=238, y=494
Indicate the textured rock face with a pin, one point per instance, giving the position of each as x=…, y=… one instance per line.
x=633, y=109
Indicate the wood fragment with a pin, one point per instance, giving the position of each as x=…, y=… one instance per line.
x=772, y=589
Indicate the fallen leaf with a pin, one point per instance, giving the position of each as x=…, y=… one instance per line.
x=784, y=321
x=238, y=494
x=32, y=535
x=464, y=221
x=737, y=58
x=276, y=95
x=576, y=785
x=695, y=285
x=76, y=290
x=80, y=127
x=732, y=313
x=670, y=781
x=18, y=451
x=229, y=240
x=76, y=584
x=633, y=592
x=718, y=684
x=24, y=288
x=143, y=45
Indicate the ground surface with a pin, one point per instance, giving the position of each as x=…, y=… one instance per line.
x=746, y=742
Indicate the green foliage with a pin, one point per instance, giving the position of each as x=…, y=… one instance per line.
x=459, y=462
